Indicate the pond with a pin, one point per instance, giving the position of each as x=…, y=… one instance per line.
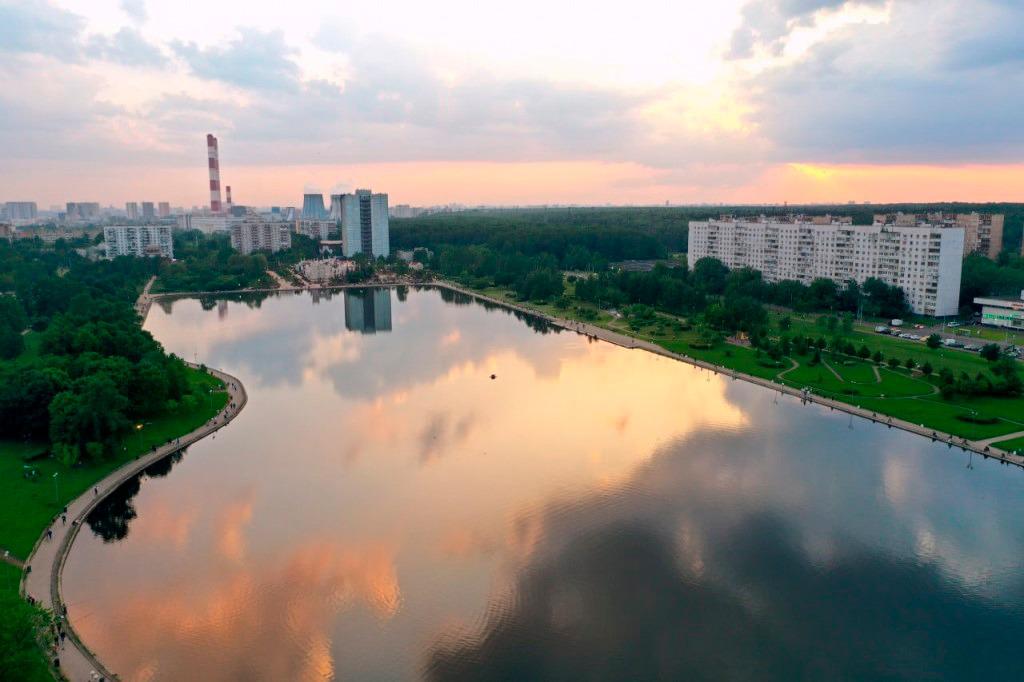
x=424, y=487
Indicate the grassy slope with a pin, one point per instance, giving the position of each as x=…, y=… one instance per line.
x=20, y=659
x=911, y=398
x=26, y=508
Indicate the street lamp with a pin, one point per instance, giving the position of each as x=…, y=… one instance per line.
x=56, y=487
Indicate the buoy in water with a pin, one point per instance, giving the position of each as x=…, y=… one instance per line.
x=494, y=376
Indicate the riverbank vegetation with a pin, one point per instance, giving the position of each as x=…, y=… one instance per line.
x=85, y=390
x=206, y=262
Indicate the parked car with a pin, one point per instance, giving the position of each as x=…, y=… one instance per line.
x=882, y=329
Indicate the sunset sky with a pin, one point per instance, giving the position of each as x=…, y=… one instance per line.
x=537, y=101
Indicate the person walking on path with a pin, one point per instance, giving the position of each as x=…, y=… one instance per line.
x=64, y=519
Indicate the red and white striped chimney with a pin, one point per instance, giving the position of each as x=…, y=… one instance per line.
x=214, y=158
x=227, y=198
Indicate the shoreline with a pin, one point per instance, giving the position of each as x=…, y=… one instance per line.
x=48, y=557
x=983, y=447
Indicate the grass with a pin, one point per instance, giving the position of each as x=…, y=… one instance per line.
x=21, y=626
x=1012, y=445
x=27, y=507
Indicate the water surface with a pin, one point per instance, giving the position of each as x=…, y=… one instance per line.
x=385, y=509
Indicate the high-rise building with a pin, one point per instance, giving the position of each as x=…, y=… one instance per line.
x=368, y=311
x=131, y=209
x=924, y=260
x=364, y=222
x=213, y=157
x=313, y=207
x=314, y=229
x=82, y=210
x=164, y=209
x=21, y=210
x=983, y=232
x=138, y=240
x=253, y=233
x=147, y=210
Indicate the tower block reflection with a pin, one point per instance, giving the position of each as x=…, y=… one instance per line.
x=368, y=311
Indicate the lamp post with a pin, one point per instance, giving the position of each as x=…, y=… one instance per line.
x=56, y=487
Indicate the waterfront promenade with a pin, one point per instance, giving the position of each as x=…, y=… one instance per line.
x=982, y=447
x=43, y=583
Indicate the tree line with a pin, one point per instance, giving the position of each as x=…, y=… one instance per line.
x=93, y=370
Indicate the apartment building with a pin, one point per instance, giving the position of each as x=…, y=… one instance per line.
x=364, y=222
x=138, y=240
x=254, y=233
x=983, y=232
x=924, y=260
x=314, y=229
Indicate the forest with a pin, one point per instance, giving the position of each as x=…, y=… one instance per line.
x=83, y=370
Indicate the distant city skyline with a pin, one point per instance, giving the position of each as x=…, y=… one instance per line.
x=740, y=101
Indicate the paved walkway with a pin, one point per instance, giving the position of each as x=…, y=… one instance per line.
x=77, y=663
x=1005, y=436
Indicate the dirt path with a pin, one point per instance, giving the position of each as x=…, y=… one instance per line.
x=43, y=582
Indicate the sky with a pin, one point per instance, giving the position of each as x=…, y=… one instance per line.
x=532, y=102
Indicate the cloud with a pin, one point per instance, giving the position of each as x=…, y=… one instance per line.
x=126, y=47
x=256, y=59
x=38, y=27
x=136, y=9
x=865, y=96
x=766, y=24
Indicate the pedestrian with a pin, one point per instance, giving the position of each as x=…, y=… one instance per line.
x=49, y=533
x=64, y=519
x=28, y=569
x=95, y=491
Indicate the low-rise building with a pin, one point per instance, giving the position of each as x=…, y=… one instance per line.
x=207, y=224
x=254, y=233
x=1002, y=312
x=138, y=240
x=324, y=270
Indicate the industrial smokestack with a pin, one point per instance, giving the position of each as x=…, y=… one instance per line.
x=214, y=158
x=227, y=198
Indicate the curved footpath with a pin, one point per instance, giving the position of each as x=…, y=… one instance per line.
x=43, y=583
x=982, y=447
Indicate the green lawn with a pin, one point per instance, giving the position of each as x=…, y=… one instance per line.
x=26, y=508
x=20, y=625
x=1012, y=445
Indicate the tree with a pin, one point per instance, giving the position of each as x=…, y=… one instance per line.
x=12, y=343
x=894, y=363
x=785, y=323
x=933, y=341
x=878, y=357
x=991, y=352
x=910, y=364
x=927, y=369
x=864, y=353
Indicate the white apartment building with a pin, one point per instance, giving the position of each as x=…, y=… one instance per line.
x=314, y=229
x=364, y=222
x=21, y=211
x=139, y=240
x=253, y=233
x=924, y=260
x=205, y=224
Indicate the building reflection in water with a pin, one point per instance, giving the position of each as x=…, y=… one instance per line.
x=368, y=311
